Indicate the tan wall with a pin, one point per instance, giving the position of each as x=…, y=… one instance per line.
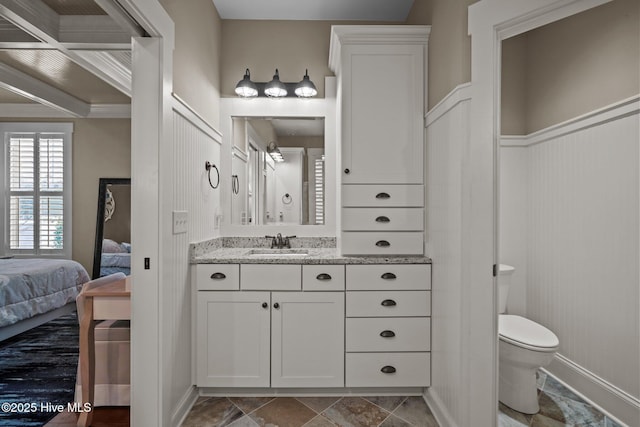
x=449, y=44
x=573, y=66
x=513, y=86
x=196, y=58
x=101, y=149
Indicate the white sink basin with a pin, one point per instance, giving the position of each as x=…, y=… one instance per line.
x=278, y=253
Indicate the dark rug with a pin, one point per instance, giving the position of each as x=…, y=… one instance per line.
x=38, y=368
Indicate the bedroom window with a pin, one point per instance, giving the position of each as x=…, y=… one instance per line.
x=36, y=206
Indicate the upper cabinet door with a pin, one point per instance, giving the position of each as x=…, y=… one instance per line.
x=382, y=116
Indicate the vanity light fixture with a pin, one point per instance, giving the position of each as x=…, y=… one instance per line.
x=275, y=88
x=274, y=152
x=306, y=88
x=245, y=87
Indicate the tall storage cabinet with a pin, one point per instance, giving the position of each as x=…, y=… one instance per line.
x=381, y=74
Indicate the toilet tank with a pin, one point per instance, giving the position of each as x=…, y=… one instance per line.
x=504, y=281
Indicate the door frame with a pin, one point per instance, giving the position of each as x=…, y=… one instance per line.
x=490, y=22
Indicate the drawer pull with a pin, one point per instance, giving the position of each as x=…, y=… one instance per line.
x=276, y=306
x=387, y=334
x=383, y=244
x=218, y=276
x=383, y=219
x=388, y=303
x=388, y=276
x=383, y=196
x=323, y=276
x=265, y=305
x=388, y=370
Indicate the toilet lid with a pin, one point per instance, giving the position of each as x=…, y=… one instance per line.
x=521, y=330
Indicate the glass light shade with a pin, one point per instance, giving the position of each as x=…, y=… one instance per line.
x=275, y=88
x=306, y=88
x=245, y=87
x=274, y=152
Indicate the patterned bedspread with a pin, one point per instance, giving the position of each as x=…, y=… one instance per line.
x=34, y=286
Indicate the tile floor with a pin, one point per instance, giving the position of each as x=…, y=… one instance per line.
x=387, y=411
x=559, y=407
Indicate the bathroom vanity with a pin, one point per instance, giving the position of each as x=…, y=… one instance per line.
x=269, y=319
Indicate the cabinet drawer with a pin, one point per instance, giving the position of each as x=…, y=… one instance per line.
x=395, y=277
x=217, y=277
x=382, y=219
x=388, y=334
x=323, y=277
x=389, y=304
x=374, y=196
x=403, y=369
x=270, y=277
x=381, y=243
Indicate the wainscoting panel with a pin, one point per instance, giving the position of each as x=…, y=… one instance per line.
x=447, y=139
x=194, y=142
x=583, y=255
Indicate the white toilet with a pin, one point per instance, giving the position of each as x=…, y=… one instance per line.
x=524, y=346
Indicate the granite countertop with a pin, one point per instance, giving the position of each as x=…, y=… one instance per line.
x=232, y=255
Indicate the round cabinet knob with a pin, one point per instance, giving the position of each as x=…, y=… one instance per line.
x=347, y=171
x=276, y=305
x=265, y=305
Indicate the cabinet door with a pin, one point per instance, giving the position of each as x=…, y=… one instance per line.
x=382, y=126
x=232, y=334
x=307, y=339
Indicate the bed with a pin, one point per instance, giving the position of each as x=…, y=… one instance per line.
x=34, y=291
x=115, y=258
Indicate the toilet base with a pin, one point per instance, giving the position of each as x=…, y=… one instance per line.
x=518, y=389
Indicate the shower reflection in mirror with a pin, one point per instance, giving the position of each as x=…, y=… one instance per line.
x=279, y=165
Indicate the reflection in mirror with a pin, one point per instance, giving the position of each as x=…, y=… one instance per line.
x=278, y=171
x=112, y=251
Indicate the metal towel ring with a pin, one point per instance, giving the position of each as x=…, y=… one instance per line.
x=235, y=184
x=208, y=167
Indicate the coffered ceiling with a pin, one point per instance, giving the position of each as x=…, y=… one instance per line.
x=69, y=55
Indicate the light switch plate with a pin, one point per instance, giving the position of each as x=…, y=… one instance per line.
x=180, y=222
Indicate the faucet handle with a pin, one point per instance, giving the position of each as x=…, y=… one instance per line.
x=273, y=240
x=286, y=241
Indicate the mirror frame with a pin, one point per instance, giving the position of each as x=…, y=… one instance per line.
x=287, y=107
x=102, y=192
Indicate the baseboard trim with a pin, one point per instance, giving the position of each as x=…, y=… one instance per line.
x=438, y=409
x=293, y=392
x=616, y=403
x=184, y=406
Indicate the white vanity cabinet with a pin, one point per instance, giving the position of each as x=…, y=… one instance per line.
x=381, y=75
x=249, y=338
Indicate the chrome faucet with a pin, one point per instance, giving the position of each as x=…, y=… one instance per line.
x=280, y=242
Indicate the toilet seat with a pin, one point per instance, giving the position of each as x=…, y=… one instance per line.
x=526, y=333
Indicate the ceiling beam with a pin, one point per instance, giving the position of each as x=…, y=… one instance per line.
x=66, y=34
x=121, y=17
x=36, y=90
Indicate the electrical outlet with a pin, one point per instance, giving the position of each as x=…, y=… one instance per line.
x=180, y=222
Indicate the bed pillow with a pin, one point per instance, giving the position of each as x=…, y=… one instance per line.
x=126, y=246
x=111, y=247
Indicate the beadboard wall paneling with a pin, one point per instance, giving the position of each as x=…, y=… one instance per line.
x=194, y=142
x=513, y=214
x=580, y=183
x=447, y=140
x=583, y=254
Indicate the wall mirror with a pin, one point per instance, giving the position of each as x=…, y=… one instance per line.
x=261, y=195
x=112, y=250
x=278, y=171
